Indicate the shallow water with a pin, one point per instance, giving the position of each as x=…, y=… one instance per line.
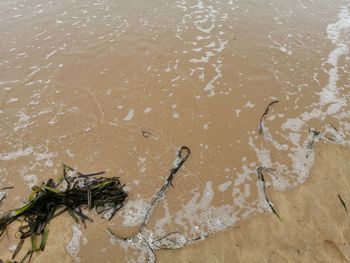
x=81, y=81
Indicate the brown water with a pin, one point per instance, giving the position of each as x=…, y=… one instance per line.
x=81, y=80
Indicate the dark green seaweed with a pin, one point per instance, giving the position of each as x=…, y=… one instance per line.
x=74, y=192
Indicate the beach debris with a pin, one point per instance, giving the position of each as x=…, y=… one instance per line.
x=7, y=188
x=264, y=131
x=3, y=193
x=71, y=194
x=315, y=135
x=261, y=122
x=145, y=133
x=2, y=198
x=332, y=125
x=343, y=204
x=144, y=240
x=260, y=171
x=329, y=138
x=333, y=134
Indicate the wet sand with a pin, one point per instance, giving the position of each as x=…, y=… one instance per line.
x=315, y=225
x=81, y=81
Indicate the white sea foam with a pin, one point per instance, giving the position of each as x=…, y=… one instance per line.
x=330, y=95
x=23, y=121
x=193, y=213
x=206, y=18
x=141, y=164
x=223, y=187
x=130, y=115
x=134, y=212
x=11, y=100
x=73, y=247
x=219, y=218
x=331, y=103
x=16, y=154
x=147, y=110
x=162, y=222
x=31, y=180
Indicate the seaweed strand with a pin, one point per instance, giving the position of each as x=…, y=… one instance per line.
x=182, y=156
x=260, y=171
x=141, y=236
x=343, y=204
x=261, y=122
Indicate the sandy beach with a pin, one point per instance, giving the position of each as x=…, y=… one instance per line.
x=122, y=86
x=315, y=225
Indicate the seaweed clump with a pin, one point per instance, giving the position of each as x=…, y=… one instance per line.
x=71, y=194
